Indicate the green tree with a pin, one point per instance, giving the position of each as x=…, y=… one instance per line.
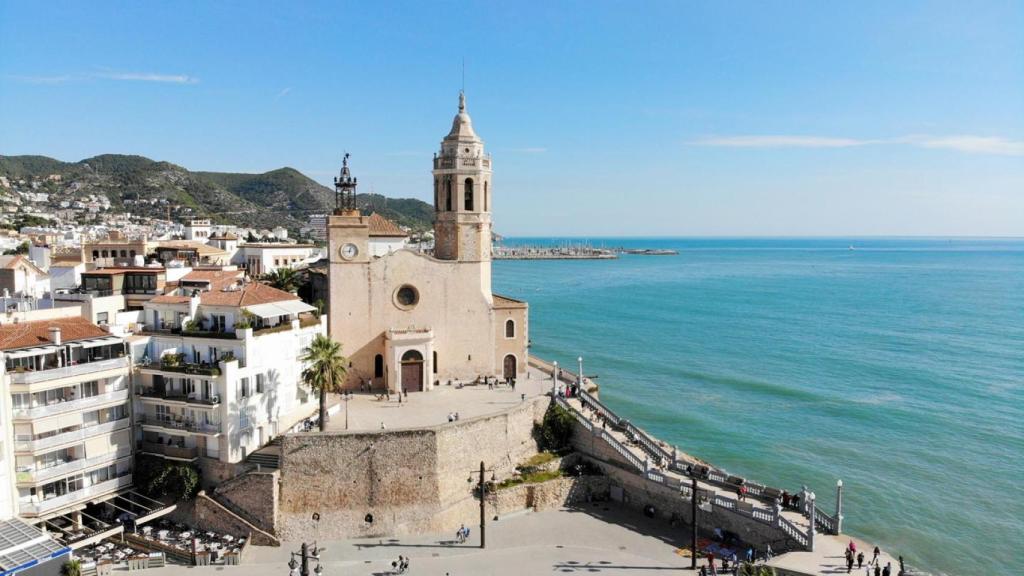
x=555, y=433
x=283, y=279
x=159, y=478
x=71, y=568
x=326, y=372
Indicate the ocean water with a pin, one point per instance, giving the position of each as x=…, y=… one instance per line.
x=897, y=366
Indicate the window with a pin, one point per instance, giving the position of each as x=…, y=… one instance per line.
x=406, y=297
x=139, y=283
x=468, y=193
x=485, y=196
x=243, y=420
x=448, y=193
x=243, y=387
x=219, y=323
x=378, y=366
x=90, y=389
x=102, y=317
x=510, y=328
x=260, y=379
x=95, y=254
x=435, y=361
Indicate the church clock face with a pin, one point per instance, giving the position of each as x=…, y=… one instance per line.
x=348, y=251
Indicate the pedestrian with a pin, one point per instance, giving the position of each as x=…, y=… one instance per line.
x=887, y=571
x=878, y=569
x=711, y=563
x=785, y=499
x=860, y=560
x=750, y=554
x=849, y=561
x=768, y=552
x=795, y=501
x=878, y=552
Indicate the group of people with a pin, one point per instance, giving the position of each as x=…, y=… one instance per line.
x=400, y=565
x=462, y=534
x=790, y=501
x=453, y=416
x=853, y=556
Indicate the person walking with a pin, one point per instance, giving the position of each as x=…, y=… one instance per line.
x=750, y=554
x=849, y=561
x=887, y=571
x=878, y=569
x=878, y=552
x=860, y=560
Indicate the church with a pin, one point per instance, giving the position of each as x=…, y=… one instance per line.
x=412, y=321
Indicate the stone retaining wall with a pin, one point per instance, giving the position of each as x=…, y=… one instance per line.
x=254, y=496
x=394, y=482
x=550, y=495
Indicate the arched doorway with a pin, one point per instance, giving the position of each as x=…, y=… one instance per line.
x=412, y=371
x=509, y=367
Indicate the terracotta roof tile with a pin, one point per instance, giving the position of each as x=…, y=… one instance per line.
x=217, y=278
x=169, y=299
x=505, y=302
x=249, y=295
x=37, y=332
x=381, y=226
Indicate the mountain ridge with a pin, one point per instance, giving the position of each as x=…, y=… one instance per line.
x=283, y=196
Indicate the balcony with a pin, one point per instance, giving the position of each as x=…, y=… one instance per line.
x=77, y=497
x=80, y=369
x=32, y=476
x=71, y=437
x=170, y=451
x=200, y=369
x=179, y=425
x=70, y=405
x=177, y=396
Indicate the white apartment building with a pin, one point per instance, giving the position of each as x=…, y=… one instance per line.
x=219, y=373
x=264, y=258
x=67, y=438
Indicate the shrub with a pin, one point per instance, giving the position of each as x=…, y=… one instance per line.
x=160, y=478
x=555, y=432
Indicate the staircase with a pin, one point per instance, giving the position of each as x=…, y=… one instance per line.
x=268, y=457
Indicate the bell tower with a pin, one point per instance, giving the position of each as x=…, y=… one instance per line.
x=462, y=194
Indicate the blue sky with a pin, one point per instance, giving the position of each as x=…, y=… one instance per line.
x=604, y=118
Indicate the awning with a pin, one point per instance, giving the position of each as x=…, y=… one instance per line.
x=101, y=342
x=282, y=308
x=38, y=350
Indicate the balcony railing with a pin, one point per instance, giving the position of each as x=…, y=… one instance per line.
x=70, y=437
x=68, y=371
x=39, y=475
x=169, y=450
x=176, y=396
x=69, y=405
x=179, y=424
x=78, y=496
x=201, y=369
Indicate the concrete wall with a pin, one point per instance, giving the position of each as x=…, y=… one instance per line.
x=410, y=481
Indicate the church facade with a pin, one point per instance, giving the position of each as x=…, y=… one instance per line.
x=411, y=321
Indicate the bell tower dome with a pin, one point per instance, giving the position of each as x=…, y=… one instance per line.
x=462, y=193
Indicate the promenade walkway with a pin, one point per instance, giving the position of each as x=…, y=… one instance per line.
x=666, y=465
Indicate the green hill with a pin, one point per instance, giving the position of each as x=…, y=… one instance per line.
x=150, y=188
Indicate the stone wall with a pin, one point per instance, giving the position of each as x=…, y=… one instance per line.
x=551, y=494
x=254, y=496
x=213, y=516
x=406, y=481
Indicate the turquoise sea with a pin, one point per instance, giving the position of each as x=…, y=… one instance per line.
x=897, y=366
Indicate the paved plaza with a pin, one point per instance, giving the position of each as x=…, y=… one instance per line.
x=418, y=409
x=599, y=539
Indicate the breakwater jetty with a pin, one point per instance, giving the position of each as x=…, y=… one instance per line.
x=573, y=252
x=568, y=252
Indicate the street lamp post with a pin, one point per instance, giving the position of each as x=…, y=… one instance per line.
x=482, y=487
x=579, y=380
x=693, y=533
x=301, y=568
x=345, y=397
x=554, y=379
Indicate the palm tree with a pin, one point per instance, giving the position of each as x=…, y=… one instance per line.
x=283, y=279
x=326, y=372
x=72, y=567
